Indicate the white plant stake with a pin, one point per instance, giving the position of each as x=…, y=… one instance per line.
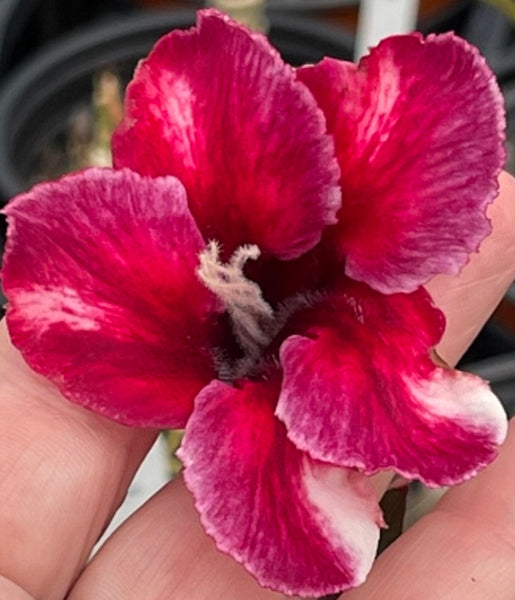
x=380, y=18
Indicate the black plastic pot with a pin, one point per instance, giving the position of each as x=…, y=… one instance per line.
x=38, y=99
x=492, y=356
x=14, y=17
x=500, y=372
x=493, y=32
x=26, y=25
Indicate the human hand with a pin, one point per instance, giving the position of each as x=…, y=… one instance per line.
x=64, y=471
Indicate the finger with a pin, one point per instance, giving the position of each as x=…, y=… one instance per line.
x=483, y=282
x=63, y=472
x=463, y=549
x=162, y=550
x=11, y=591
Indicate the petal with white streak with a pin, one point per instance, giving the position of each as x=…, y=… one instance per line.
x=360, y=390
x=99, y=273
x=298, y=525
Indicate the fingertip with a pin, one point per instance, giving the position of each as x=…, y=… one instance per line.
x=502, y=215
x=10, y=591
x=469, y=299
x=467, y=541
x=507, y=183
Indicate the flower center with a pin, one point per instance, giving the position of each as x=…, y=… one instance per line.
x=252, y=318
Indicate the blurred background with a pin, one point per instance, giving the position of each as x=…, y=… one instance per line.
x=64, y=64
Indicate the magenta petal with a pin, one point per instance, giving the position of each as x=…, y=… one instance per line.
x=217, y=107
x=419, y=131
x=359, y=390
x=299, y=526
x=99, y=272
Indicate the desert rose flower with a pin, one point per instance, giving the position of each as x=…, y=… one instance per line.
x=252, y=270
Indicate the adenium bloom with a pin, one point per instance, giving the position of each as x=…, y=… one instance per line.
x=251, y=270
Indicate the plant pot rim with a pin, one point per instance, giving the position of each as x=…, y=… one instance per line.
x=74, y=54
